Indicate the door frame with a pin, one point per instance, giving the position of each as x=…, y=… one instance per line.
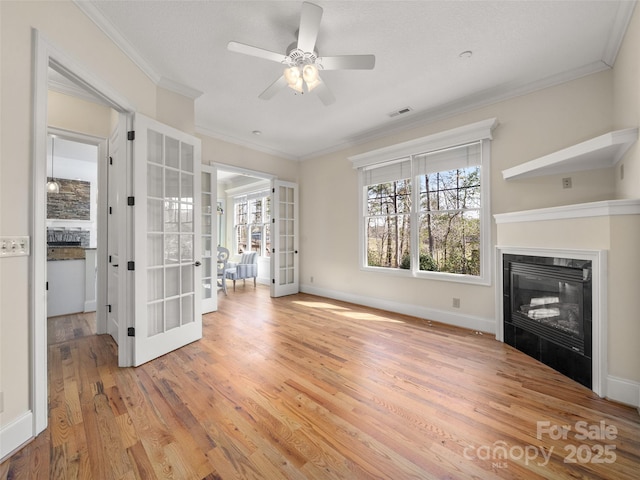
x=101, y=218
x=45, y=55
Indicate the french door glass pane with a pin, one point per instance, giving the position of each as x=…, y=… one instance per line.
x=172, y=145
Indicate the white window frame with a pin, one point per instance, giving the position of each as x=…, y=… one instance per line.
x=476, y=132
x=247, y=198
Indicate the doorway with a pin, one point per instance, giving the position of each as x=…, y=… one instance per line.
x=48, y=59
x=244, y=215
x=72, y=221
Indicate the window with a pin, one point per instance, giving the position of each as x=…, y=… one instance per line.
x=252, y=223
x=426, y=213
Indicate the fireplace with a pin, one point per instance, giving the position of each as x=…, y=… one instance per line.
x=547, y=305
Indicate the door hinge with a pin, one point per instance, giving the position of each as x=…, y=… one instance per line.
x=131, y=201
x=273, y=190
x=110, y=210
x=273, y=220
x=109, y=308
x=109, y=258
x=273, y=280
x=110, y=160
x=131, y=332
x=131, y=265
x=131, y=135
x=46, y=286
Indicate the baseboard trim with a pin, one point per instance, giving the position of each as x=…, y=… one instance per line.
x=471, y=322
x=90, y=306
x=15, y=434
x=623, y=391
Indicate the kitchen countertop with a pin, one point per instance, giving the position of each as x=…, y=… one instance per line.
x=65, y=252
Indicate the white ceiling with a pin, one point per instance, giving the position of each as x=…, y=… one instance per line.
x=518, y=46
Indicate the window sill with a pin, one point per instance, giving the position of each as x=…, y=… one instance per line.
x=441, y=277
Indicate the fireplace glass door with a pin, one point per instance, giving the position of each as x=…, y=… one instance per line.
x=547, y=299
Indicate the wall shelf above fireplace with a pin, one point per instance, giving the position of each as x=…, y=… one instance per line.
x=599, y=152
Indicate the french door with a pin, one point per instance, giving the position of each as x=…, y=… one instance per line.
x=167, y=285
x=209, y=239
x=284, y=258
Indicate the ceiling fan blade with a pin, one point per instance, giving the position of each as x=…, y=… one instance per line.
x=256, y=52
x=309, y=26
x=348, y=62
x=324, y=94
x=274, y=88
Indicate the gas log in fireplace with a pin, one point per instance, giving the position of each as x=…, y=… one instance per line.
x=547, y=312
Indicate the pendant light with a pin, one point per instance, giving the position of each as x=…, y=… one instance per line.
x=52, y=185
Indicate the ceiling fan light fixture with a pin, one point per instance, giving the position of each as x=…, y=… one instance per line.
x=292, y=74
x=297, y=85
x=313, y=84
x=310, y=73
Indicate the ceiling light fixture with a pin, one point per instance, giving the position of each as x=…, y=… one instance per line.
x=53, y=186
x=302, y=70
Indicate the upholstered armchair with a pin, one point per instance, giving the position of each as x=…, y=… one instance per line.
x=246, y=267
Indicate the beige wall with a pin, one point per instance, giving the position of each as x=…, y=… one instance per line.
x=530, y=126
x=175, y=110
x=626, y=84
x=218, y=151
x=76, y=115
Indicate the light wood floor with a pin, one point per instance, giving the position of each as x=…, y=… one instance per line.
x=308, y=388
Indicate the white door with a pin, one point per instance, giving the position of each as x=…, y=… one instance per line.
x=284, y=259
x=167, y=286
x=209, y=240
x=116, y=166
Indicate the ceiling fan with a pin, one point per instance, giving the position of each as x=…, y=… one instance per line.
x=302, y=63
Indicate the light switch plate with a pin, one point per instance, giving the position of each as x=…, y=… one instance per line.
x=14, y=246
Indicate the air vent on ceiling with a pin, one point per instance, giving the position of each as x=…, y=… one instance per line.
x=402, y=111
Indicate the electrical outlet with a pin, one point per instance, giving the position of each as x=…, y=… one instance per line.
x=14, y=246
x=566, y=182
x=456, y=303
x=311, y=279
x=622, y=171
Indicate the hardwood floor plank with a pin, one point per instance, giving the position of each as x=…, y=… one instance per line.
x=303, y=387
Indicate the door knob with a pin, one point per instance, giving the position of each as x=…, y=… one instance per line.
x=197, y=264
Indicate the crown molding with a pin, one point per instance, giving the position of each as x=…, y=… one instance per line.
x=620, y=25
x=109, y=29
x=180, y=88
x=242, y=143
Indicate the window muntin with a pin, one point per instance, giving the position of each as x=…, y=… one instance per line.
x=252, y=217
x=439, y=192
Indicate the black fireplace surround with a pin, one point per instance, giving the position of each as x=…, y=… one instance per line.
x=547, y=312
